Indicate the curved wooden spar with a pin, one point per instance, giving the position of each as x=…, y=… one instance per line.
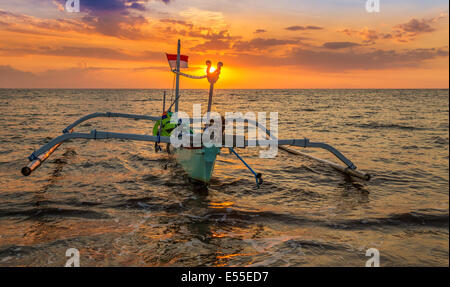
x=109, y=115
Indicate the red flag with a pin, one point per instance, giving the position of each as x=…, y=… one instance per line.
x=172, y=58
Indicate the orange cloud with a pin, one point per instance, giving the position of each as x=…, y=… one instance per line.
x=404, y=32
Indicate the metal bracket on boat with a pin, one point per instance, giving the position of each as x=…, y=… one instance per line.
x=258, y=176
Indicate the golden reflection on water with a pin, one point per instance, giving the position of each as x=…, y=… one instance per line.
x=223, y=260
x=122, y=204
x=221, y=204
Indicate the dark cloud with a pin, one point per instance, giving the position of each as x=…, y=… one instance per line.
x=408, y=31
x=25, y=24
x=337, y=61
x=12, y=78
x=339, y=45
x=211, y=35
x=405, y=32
x=84, y=52
x=4, y=13
x=261, y=44
x=179, y=22
x=102, y=6
x=221, y=40
x=138, y=6
x=75, y=77
x=303, y=28
x=369, y=36
x=212, y=45
x=416, y=26
x=258, y=31
x=118, y=18
x=118, y=25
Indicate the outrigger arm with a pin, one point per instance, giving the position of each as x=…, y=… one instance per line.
x=40, y=155
x=349, y=169
x=108, y=115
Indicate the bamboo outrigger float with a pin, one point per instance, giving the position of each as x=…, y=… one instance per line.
x=197, y=162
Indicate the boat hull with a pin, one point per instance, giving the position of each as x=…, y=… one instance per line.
x=198, y=163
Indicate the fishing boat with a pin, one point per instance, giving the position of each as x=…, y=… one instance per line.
x=196, y=160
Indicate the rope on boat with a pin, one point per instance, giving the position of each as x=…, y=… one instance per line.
x=184, y=75
x=173, y=103
x=189, y=76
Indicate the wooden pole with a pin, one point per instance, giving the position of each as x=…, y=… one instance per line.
x=164, y=102
x=27, y=170
x=343, y=169
x=177, y=85
x=211, y=93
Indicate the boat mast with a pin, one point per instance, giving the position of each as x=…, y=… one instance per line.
x=177, y=85
x=211, y=92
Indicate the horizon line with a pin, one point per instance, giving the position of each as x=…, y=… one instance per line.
x=437, y=88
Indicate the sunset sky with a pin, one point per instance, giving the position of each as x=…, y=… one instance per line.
x=263, y=43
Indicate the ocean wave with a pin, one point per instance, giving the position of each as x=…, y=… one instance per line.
x=375, y=125
x=38, y=213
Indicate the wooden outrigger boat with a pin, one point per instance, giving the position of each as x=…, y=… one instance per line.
x=197, y=162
